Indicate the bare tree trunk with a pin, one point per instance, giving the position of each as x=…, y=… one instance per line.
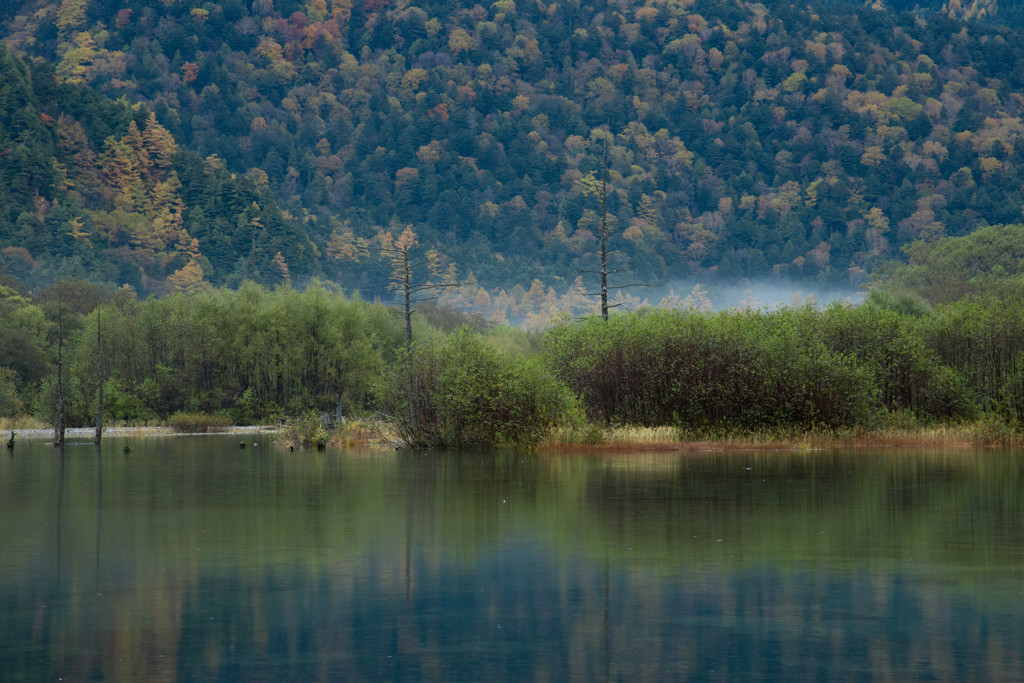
x=408, y=314
x=401, y=279
x=58, y=421
x=99, y=378
x=604, y=236
x=407, y=286
x=590, y=186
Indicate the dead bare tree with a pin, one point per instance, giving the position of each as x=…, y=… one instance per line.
x=590, y=185
x=402, y=280
x=403, y=275
x=99, y=378
x=58, y=419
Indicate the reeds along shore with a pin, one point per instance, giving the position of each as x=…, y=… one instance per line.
x=666, y=439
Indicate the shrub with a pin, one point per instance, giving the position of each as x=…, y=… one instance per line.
x=304, y=431
x=122, y=404
x=463, y=394
x=747, y=370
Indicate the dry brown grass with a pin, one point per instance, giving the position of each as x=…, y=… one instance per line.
x=661, y=439
x=364, y=432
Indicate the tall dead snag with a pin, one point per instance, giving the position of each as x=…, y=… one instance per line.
x=398, y=252
x=605, y=230
x=402, y=279
x=58, y=419
x=590, y=185
x=99, y=378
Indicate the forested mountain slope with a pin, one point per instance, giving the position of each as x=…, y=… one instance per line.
x=96, y=189
x=743, y=139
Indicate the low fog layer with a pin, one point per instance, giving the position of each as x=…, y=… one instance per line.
x=772, y=294
x=740, y=295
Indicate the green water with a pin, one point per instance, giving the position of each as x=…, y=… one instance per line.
x=190, y=559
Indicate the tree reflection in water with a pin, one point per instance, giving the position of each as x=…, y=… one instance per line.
x=192, y=560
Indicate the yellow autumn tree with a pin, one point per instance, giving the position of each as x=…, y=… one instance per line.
x=71, y=14
x=188, y=279
x=282, y=267
x=76, y=58
x=158, y=143
x=459, y=41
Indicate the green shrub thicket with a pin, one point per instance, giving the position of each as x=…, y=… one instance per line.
x=982, y=339
x=836, y=366
x=253, y=355
x=462, y=393
x=743, y=369
x=258, y=355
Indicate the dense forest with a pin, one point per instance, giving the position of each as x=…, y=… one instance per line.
x=99, y=190
x=984, y=11
x=177, y=145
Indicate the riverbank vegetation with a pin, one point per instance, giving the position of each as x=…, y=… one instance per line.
x=895, y=369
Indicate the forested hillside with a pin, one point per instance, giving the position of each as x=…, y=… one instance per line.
x=96, y=189
x=742, y=139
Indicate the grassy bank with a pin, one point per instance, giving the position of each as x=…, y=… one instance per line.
x=651, y=439
x=901, y=430
x=593, y=438
x=8, y=424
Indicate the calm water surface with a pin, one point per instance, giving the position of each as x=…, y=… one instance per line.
x=190, y=559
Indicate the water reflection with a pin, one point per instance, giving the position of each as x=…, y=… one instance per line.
x=191, y=559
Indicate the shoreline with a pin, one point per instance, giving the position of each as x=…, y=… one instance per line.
x=614, y=440
x=668, y=440
x=35, y=435
x=733, y=446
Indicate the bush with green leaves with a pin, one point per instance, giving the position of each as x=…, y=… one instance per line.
x=745, y=370
x=982, y=339
x=905, y=367
x=461, y=393
x=304, y=431
x=122, y=404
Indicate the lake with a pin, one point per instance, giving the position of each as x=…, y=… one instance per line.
x=192, y=559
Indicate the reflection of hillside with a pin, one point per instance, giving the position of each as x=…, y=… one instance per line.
x=220, y=564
